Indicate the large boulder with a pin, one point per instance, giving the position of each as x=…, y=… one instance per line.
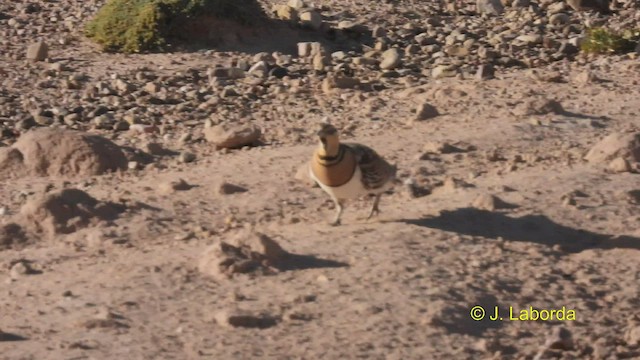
x=56, y=152
x=65, y=212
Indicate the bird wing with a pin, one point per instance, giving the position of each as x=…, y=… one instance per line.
x=376, y=171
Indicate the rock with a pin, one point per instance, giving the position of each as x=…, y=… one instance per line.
x=226, y=188
x=617, y=145
x=390, y=59
x=530, y=39
x=170, y=187
x=245, y=319
x=66, y=211
x=632, y=196
x=22, y=267
x=119, y=125
x=260, y=68
x=319, y=62
x=123, y=87
x=284, y=12
x=538, y=106
x=442, y=71
x=433, y=147
x=296, y=4
x=559, y=19
x=38, y=51
x=456, y=50
x=11, y=162
x=619, y=165
x=278, y=72
x=152, y=87
x=56, y=152
x=489, y=202
x=485, y=72
x=232, y=136
x=154, y=148
x=304, y=49
x=632, y=335
x=586, y=77
x=339, y=82
x=11, y=235
x=186, y=157
x=247, y=252
x=426, y=111
x=489, y=7
x=312, y=19
x=227, y=72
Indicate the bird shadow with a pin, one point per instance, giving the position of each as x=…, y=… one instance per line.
x=291, y=262
x=4, y=336
x=537, y=229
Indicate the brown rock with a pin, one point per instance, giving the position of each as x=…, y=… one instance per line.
x=390, y=59
x=232, y=136
x=55, y=152
x=485, y=72
x=312, y=19
x=172, y=186
x=616, y=145
x=619, y=165
x=538, y=106
x=248, y=252
x=339, y=82
x=38, y=51
x=66, y=211
x=489, y=202
x=11, y=163
x=11, y=235
x=632, y=335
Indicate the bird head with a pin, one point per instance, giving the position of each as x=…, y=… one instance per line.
x=328, y=136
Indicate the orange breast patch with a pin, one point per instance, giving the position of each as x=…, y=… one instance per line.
x=334, y=174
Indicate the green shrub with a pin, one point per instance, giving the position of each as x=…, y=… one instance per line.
x=603, y=41
x=143, y=25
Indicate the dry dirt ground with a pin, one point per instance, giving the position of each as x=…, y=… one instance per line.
x=124, y=280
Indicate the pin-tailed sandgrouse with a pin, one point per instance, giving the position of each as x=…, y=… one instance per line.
x=349, y=170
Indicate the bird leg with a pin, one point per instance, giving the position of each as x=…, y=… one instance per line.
x=339, y=207
x=374, y=208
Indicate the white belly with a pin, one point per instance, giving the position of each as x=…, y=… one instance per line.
x=351, y=190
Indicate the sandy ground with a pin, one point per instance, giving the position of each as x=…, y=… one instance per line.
x=400, y=286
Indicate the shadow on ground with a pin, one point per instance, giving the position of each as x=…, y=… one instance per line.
x=11, y=337
x=537, y=229
x=261, y=31
x=304, y=262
